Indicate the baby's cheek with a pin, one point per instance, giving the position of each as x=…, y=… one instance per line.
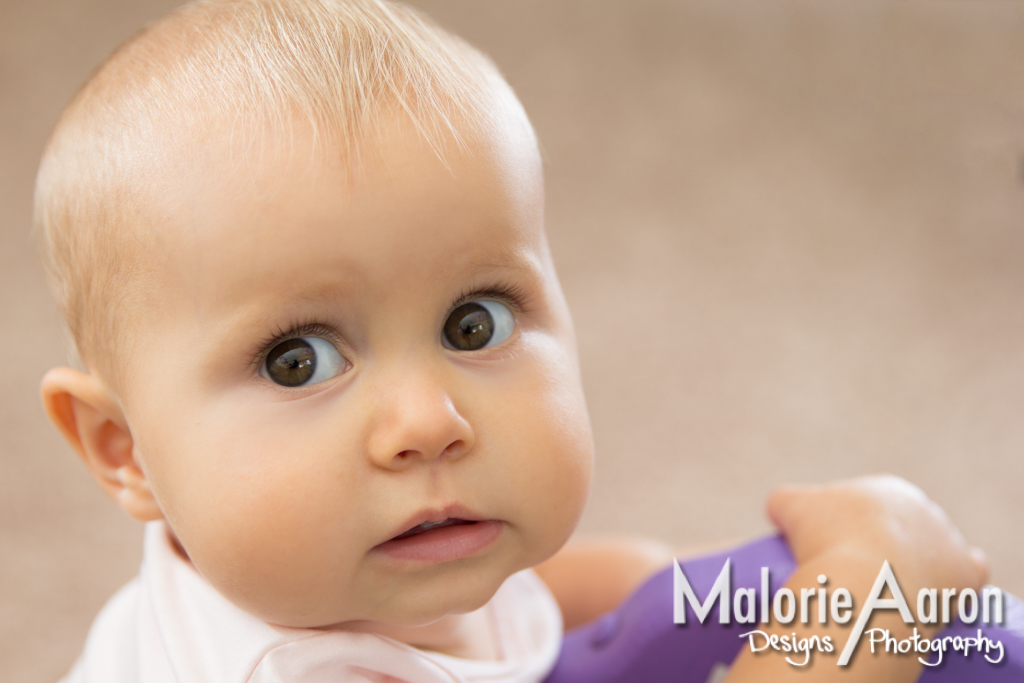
x=261, y=516
x=554, y=456
x=283, y=559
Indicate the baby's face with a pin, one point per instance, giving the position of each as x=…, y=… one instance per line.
x=328, y=362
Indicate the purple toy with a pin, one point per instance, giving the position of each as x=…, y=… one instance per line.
x=640, y=643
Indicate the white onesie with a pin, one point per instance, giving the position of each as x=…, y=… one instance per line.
x=168, y=625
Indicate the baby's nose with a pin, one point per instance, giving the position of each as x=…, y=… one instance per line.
x=416, y=421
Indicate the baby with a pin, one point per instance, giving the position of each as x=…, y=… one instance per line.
x=300, y=249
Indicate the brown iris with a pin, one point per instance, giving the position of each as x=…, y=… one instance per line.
x=291, y=363
x=469, y=327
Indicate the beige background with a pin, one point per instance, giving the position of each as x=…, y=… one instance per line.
x=791, y=234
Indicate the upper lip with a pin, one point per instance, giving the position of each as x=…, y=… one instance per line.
x=439, y=514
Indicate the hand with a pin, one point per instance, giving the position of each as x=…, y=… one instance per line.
x=845, y=530
x=871, y=519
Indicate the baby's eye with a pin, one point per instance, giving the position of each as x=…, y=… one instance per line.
x=303, y=360
x=477, y=325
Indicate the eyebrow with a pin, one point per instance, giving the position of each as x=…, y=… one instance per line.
x=519, y=261
x=330, y=292
x=511, y=259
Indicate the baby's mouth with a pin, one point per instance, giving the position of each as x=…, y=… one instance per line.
x=431, y=526
x=431, y=543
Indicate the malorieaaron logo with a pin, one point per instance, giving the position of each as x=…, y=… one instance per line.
x=934, y=606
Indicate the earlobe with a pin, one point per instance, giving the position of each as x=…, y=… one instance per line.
x=90, y=418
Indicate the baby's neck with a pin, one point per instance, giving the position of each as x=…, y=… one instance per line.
x=460, y=635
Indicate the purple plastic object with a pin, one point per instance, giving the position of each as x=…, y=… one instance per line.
x=640, y=643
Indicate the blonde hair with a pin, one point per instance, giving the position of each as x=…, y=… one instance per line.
x=339, y=66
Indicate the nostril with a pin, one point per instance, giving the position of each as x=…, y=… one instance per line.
x=454, y=449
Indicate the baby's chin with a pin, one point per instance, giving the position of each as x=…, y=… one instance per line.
x=449, y=591
x=430, y=612
x=435, y=601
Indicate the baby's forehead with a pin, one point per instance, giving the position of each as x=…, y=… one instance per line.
x=293, y=211
x=199, y=171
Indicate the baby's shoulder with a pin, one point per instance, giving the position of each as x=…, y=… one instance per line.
x=110, y=649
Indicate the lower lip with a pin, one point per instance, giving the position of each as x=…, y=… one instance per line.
x=443, y=545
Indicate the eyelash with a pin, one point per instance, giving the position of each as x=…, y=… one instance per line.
x=305, y=328
x=507, y=292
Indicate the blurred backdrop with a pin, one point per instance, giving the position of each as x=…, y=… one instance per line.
x=790, y=232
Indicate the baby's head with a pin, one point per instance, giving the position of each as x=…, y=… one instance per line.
x=300, y=249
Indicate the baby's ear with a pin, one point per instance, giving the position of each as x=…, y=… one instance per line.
x=90, y=418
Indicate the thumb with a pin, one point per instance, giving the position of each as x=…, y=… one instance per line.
x=980, y=561
x=785, y=504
